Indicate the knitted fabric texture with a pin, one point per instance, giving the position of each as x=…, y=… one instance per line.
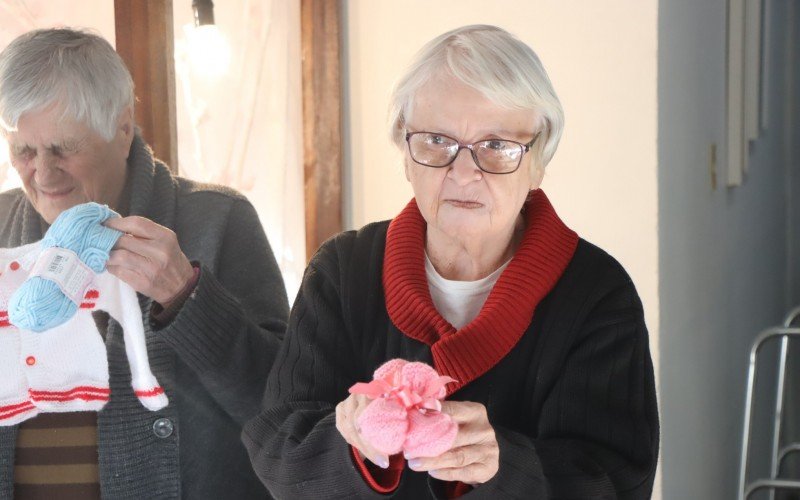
x=405, y=414
x=238, y=312
x=65, y=368
x=40, y=304
x=546, y=248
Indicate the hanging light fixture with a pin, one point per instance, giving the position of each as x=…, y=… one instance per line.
x=203, y=12
x=209, y=51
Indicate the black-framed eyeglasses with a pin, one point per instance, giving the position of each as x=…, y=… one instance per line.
x=493, y=156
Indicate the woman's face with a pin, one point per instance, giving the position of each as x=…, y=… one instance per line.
x=63, y=163
x=460, y=200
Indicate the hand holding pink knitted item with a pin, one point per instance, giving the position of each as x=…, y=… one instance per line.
x=405, y=414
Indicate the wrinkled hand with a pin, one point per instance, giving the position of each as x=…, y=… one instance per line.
x=148, y=258
x=347, y=413
x=474, y=457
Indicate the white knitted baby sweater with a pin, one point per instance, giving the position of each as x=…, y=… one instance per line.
x=66, y=368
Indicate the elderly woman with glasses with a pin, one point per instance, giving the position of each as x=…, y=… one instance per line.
x=543, y=332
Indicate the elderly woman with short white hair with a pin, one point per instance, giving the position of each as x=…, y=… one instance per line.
x=212, y=296
x=543, y=332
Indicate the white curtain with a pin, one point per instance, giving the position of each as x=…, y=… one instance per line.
x=242, y=128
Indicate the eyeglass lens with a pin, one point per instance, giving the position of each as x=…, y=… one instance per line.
x=493, y=155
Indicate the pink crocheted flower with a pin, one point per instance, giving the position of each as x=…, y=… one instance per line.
x=405, y=414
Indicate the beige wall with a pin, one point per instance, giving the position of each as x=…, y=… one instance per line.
x=602, y=59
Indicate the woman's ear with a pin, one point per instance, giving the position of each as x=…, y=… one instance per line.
x=125, y=130
x=537, y=175
x=405, y=169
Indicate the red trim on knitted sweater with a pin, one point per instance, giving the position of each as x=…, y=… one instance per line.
x=9, y=411
x=88, y=299
x=86, y=393
x=381, y=480
x=544, y=252
x=156, y=391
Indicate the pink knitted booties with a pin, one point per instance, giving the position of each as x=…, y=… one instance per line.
x=405, y=414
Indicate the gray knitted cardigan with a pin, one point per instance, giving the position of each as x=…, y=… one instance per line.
x=212, y=359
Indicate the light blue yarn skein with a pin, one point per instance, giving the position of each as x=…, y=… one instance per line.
x=39, y=304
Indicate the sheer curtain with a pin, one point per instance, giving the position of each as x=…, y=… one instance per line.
x=239, y=126
x=242, y=127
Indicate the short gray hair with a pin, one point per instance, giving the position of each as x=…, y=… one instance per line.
x=75, y=69
x=495, y=63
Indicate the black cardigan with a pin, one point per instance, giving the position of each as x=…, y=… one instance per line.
x=573, y=404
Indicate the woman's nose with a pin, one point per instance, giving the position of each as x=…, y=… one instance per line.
x=46, y=169
x=463, y=170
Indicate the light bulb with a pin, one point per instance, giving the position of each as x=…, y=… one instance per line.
x=209, y=51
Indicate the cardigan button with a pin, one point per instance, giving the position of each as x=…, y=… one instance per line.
x=163, y=428
x=14, y=265
x=30, y=360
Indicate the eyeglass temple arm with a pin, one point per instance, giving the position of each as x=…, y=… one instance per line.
x=527, y=146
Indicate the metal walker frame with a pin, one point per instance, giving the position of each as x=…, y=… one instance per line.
x=773, y=483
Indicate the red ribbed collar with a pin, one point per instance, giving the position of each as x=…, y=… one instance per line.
x=546, y=248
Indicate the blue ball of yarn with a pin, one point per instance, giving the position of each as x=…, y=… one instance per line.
x=39, y=304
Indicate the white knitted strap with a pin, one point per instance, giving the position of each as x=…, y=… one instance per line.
x=64, y=268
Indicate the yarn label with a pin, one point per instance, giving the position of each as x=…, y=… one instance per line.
x=65, y=269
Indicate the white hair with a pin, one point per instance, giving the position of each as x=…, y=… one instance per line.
x=76, y=70
x=496, y=64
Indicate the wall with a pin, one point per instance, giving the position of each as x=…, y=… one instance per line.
x=722, y=252
x=791, y=126
x=792, y=143
x=601, y=58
